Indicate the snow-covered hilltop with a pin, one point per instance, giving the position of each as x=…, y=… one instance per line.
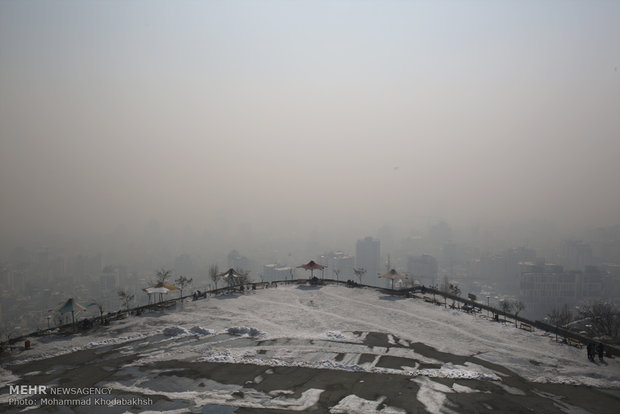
x=329, y=348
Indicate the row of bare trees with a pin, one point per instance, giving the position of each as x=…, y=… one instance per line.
x=512, y=307
x=162, y=276
x=598, y=318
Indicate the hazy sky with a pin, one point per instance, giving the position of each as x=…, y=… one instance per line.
x=344, y=112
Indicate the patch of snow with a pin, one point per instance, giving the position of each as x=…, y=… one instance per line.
x=245, y=331
x=112, y=341
x=335, y=335
x=6, y=378
x=432, y=395
x=450, y=371
x=511, y=390
x=462, y=389
x=248, y=398
x=352, y=404
x=277, y=393
x=197, y=330
x=175, y=331
x=244, y=356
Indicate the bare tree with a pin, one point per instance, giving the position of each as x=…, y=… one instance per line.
x=560, y=317
x=244, y=277
x=445, y=288
x=604, y=318
x=359, y=273
x=183, y=282
x=214, y=274
x=126, y=298
x=163, y=275
x=337, y=272
x=454, y=290
x=517, y=307
x=505, y=306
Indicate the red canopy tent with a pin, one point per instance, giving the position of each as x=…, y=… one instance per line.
x=311, y=266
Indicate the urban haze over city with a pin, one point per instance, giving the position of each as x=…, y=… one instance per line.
x=475, y=142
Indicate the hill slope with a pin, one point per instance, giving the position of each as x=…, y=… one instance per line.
x=329, y=349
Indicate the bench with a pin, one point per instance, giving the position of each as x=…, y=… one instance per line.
x=526, y=327
x=574, y=342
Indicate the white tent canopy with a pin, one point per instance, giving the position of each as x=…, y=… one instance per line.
x=153, y=290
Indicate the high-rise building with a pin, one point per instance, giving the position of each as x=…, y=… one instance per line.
x=338, y=262
x=423, y=269
x=109, y=279
x=368, y=256
x=546, y=287
x=575, y=255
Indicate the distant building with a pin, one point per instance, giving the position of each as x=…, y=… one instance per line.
x=547, y=287
x=269, y=272
x=504, y=268
x=184, y=266
x=275, y=272
x=611, y=280
x=109, y=280
x=575, y=255
x=238, y=262
x=367, y=256
x=423, y=269
x=338, y=261
x=440, y=233
x=7, y=279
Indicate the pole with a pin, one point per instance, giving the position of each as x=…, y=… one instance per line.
x=488, y=306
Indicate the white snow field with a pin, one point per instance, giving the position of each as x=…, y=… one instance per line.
x=319, y=349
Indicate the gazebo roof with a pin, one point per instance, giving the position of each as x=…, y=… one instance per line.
x=311, y=265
